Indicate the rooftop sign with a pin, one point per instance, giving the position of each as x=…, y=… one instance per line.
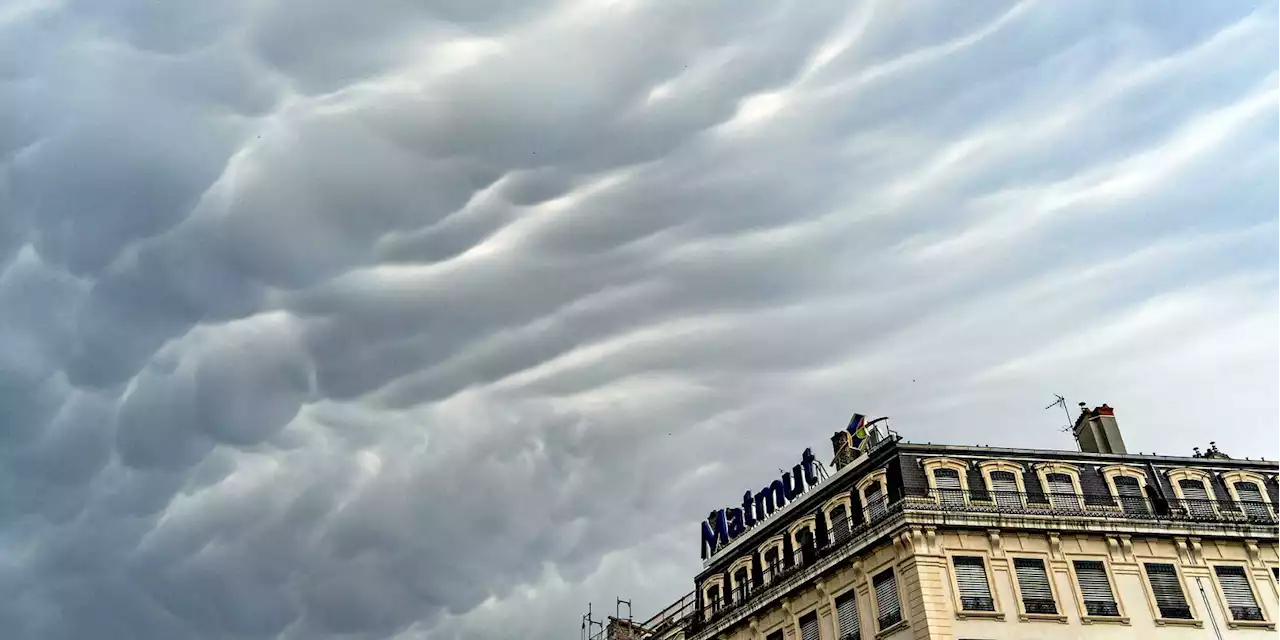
x=723, y=525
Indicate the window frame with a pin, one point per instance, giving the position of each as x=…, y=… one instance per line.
x=766, y=571
x=1023, y=615
x=842, y=500
x=710, y=608
x=1081, y=608
x=881, y=476
x=1230, y=478
x=1175, y=477
x=1150, y=593
x=875, y=601
x=851, y=591
x=1266, y=623
x=957, y=598
x=740, y=563
x=1045, y=469
x=933, y=464
x=1111, y=472
x=986, y=467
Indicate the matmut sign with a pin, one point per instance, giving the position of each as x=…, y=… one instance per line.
x=723, y=525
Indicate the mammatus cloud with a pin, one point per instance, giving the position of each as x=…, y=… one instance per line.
x=326, y=321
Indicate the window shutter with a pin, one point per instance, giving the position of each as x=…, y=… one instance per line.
x=875, y=501
x=847, y=614
x=888, y=609
x=1095, y=588
x=742, y=580
x=1062, y=492
x=1167, y=589
x=1239, y=595
x=950, y=491
x=840, y=524
x=971, y=578
x=1131, y=498
x=776, y=635
x=809, y=627
x=1005, y=486
x=1254, y=505
x=1033, y=582
x=1197, y=498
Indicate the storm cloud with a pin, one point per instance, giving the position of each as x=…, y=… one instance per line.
x=438, y=320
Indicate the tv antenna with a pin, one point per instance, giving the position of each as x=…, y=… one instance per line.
x=1062, y=402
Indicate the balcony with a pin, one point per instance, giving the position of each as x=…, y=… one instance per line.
x=1062, y=505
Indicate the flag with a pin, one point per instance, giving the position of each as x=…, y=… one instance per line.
x=858, y=427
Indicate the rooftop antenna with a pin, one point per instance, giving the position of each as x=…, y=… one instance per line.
x=589, y=623
x=1062, y=402
x=631, y=623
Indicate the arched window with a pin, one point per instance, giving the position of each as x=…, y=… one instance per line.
x=713, y=597
x=804, y=540
x=1198, y=502
x=950, y=491
x=1255, y=506
x=873, y=496
x=772, y=562
x=840, y=530
x=742, y=584
x=1132, y=499
x=1004, y=486
x=1062, y=492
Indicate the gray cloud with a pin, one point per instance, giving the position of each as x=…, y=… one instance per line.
x=327, y=321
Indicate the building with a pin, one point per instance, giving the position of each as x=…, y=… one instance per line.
x=907, y=540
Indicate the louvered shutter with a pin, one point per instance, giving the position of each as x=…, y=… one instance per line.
x=1167, y=589
x=1197, y=498
x=888, y=608
x=809, y=627
x=875, y=501
x=847, y=614
x=1095, y=589
x=950, y=491
x=840, y=524
x=1062, y=491
x=1033, y=582
x=1239, y=595
x=1131, y=498
x=971, y=578
x=1005, y=487
x=1251, y=496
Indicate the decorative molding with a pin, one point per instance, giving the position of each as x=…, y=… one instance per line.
x=997, y=545
x=1055, y=545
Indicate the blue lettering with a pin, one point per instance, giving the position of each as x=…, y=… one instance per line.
x=735, y=523
x=713, y=533
x=749, y=515
x=794, y=482
x=806, y=461
x=779, y=491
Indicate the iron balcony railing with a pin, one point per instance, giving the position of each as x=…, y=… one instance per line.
x=1091, y=506
x=782, y=575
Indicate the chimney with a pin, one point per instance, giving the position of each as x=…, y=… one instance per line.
x=1097, y=432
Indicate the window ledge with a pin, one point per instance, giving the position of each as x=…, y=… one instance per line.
x=1179, y=622
x=1043, y=617
x=1251, y=624
x=892, y=629
x=1124, y=620
x=985, y=615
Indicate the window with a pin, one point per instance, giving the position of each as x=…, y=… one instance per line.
x=971, y=580
x=1275, y=573
x=804, y=546
x=1033, y=582
x=776, y=635
x=1251, y=498
x=840, y=524
x=1095, y=588
x=1196, y=497
x=741, y=584
x=713, y=597
x=809, y=627
x=1005, y=487
x=950, y=491
x=1167, y=589
x=1238, y=593
x=1132, y=500
x=772, y=564
x=888, y=608
x=875, y=501
x=1062, y=492
x=847, y=616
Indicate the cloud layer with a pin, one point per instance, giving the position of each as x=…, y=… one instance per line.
x=327, y=321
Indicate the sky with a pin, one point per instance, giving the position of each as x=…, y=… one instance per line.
x=434, y=320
